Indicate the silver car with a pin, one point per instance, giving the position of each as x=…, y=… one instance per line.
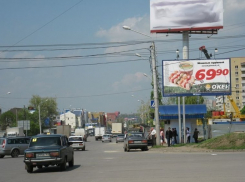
x=77, y=142
x=13, y=146
x=106, y=138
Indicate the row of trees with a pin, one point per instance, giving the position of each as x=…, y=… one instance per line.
x=48, y=109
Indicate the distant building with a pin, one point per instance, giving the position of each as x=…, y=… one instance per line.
x=237, y=86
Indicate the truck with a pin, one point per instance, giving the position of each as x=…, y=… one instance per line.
x=116, y=129
x=99, y=132
x=64, y=130
x=15, y=131
x=81, y=132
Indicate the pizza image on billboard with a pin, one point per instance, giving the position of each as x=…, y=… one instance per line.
x=183, y=76
x=196, y=77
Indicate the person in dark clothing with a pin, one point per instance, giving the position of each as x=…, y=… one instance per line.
x=169, y=135
x=195, y=135
x=175, y=135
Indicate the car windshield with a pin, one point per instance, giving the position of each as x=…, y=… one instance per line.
x=140, y=135
x=120, y=136
x=45, y=141
x=75, y=139
x=106, y=135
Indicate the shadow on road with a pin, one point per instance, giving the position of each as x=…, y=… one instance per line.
x=54, y=169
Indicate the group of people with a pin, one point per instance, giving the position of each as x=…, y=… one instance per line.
x=171, y=136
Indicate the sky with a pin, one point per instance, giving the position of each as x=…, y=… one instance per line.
x=77, y=51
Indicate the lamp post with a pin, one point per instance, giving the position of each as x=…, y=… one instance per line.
x=177, y=52
x=155, y=86
x=215, y=51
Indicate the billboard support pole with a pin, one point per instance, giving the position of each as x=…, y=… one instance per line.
x=180, y=135
x=185, y=37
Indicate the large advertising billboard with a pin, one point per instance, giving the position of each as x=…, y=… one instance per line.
x=196, y=77
x=184, y=15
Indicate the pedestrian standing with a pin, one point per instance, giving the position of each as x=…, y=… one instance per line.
x=195, y=135
x=175, y=135
x=168, y=135
x=172, y=141
x=162, y=137
x=188, y=135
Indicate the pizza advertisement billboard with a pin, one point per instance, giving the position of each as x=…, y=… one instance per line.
x=196, y=77
x=185, y=15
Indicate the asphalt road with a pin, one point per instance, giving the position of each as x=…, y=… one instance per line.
x=107, y=162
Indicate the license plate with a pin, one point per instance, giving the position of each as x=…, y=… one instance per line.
x=42, y=155
x=75, y=145
x=137, y=141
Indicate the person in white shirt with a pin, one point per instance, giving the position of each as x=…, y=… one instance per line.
x=188, y=135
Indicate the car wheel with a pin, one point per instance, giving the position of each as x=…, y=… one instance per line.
x=83, y=148
x=29, y=168
x=46, y=165
x=15, y=153
x=116, y=141
x=2, y=156
x=39, y=167
x=71, y=163
x=63, y=165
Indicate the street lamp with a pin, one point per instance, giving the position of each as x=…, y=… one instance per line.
x=155, y=86
x=215, y=51
x=177, y=52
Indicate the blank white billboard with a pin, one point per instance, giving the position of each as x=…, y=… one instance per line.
x=183, y=15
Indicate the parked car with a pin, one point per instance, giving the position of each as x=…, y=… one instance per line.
x=45, y=150
x=106, y=138
x=135, y=141
x=77, y=142
x=13, y=146
x=120, y=138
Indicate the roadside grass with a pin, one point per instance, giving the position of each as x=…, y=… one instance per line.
x=235, y=141
x=232, y=141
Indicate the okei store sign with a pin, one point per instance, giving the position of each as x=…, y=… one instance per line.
x=196, y=77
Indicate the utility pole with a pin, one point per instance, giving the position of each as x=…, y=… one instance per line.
x=40, y=126
x=157, y=126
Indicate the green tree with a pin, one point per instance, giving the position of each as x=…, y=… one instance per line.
x=48, y=108
x=7, y=119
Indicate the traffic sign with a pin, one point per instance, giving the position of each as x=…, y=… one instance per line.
x=152, y=103
x=25, y=124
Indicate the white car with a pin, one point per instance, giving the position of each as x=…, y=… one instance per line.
x=77, y=142
x=106, y=137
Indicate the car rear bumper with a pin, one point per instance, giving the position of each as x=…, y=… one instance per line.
x=4, y=152
x=137, y=146
x=43, y=161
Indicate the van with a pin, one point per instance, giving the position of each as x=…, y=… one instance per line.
x=13, y=146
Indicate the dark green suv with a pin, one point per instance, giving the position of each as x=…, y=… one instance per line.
x=45, y=150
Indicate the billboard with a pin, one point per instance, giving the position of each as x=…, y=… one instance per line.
x=196, y=77
x=185, y=15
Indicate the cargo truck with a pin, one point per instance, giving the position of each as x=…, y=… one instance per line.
x=99, y=132
x=116, y=129
x=81, y=132
x=64, y=130
x=15, y=131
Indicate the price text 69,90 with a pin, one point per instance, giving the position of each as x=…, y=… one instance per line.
x=210, y=73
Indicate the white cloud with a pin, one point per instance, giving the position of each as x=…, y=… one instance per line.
x=132, y=81
x=234, y=5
